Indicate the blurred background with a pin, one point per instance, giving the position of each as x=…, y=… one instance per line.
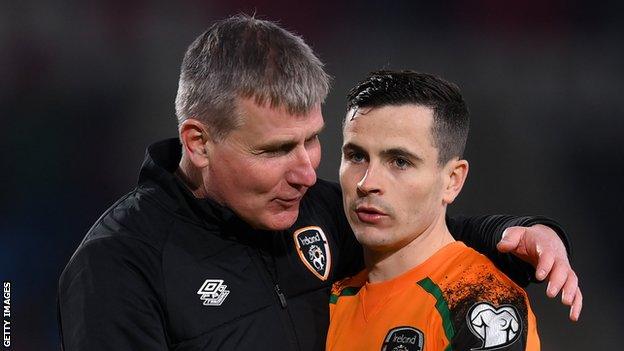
x=85, y=86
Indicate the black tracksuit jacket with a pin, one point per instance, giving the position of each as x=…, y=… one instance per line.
x=162, y=270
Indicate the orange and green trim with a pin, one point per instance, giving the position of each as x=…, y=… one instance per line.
x=442, y=307
x=350, y=291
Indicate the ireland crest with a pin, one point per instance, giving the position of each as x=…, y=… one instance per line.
x=313, y=250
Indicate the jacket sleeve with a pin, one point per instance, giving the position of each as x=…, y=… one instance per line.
x=108, y=298
x=482, y=233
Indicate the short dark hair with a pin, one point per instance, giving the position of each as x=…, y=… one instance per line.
x=450, y=113
x=242, y=56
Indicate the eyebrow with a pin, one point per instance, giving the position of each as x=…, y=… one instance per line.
x=353, y=147
x=288, y=144
x=387, y=153
x=402, y=152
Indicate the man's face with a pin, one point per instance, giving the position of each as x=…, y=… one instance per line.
x=391, y=181
x=262, y=169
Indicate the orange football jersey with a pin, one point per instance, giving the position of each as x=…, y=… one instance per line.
x=455, y=300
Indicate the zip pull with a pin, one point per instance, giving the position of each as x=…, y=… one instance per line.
x=281, y=296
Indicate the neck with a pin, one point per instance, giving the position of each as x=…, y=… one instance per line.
x=387, y=264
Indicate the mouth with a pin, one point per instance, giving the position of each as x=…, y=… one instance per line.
x=369, y=214
x=288, y=201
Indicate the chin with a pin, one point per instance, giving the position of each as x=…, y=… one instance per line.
x=281, y=220
x=372, y=238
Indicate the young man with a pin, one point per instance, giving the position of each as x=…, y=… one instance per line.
x=404, y=136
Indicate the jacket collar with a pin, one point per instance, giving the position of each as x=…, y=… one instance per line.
x=157, y=176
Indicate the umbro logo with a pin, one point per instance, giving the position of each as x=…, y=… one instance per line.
x=213, y=292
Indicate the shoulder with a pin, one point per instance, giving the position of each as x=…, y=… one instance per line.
x=113, y=280
x=469, y=276
x=135, y=216
x=127, y=239
x=485, y=308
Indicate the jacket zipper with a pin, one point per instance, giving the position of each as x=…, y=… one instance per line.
x=280, y=296
x=271, y=274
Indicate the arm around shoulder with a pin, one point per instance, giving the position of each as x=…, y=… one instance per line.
x=483, y=233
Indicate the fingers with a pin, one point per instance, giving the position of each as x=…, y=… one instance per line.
x=510, y=239
x=562, y=278
x=544, y=266
x=541, y=246
x=570, y=288
x=557, y=277
x=572, y=296
x=577, y=305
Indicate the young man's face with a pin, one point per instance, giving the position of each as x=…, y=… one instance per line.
x=391, y=182
x=262, y=169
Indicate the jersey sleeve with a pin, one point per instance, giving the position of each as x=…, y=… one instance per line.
x=488, y=311
x=482, y=233
x=108, y=298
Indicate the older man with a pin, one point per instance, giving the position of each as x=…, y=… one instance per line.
x=229, y=241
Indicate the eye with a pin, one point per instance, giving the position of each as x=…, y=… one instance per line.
x=314, y=138
x=273, y=153
x=401, y=163
x=355, y=156
x=277, y=151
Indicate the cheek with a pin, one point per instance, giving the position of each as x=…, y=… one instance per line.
x=347, y=176
x=416, y=201
x=264, y=176
x=245, y=177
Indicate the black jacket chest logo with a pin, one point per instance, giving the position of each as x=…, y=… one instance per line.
x=313, y=250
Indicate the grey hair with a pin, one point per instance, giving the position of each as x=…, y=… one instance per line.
x=245, y=57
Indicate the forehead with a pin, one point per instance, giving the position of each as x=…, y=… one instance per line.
x=389, y=125
x=264, y=121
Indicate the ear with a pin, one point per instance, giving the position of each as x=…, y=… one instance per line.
x=196, y=142
x=455, y=173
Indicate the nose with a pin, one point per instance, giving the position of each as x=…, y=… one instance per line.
x=369, y=183
x=302, y=172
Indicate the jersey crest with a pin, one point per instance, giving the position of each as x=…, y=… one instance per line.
x=495, y=327
x=403, y=339
x=313, y=250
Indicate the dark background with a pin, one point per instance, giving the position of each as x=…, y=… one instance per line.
x=86, y=86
